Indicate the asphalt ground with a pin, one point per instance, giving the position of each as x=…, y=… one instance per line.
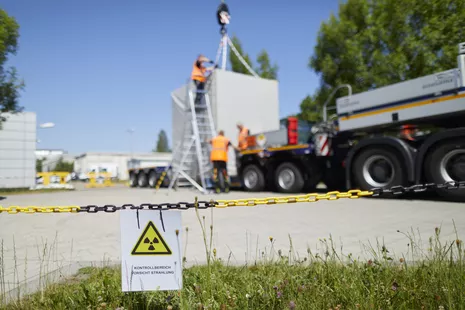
x=58, y=244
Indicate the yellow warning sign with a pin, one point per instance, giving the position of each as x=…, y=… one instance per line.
x=151, y=242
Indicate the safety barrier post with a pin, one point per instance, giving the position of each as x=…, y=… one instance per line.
x=101, y=179
x=53, y=179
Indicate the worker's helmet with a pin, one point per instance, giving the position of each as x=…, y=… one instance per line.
x=408, y=126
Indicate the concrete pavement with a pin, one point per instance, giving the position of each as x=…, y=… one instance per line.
x=58, y=244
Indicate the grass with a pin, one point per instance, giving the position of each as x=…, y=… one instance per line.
x=282, y=280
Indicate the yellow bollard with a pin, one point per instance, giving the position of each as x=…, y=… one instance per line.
x=101, y=179
x=53, y=178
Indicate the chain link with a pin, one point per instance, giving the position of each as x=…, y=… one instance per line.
x=246, y=202
x=396, y=190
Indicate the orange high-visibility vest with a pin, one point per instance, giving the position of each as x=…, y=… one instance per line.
x=243, y=138
x=219, y=149
x=198, y=73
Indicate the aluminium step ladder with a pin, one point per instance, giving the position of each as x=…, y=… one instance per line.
x=191, y=162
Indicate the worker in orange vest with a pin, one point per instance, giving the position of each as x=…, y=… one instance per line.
x=219, y=158
x=408, y=131
x=243, y=134
x=199, y=75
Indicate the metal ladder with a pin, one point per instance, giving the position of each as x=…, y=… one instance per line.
x=191, y=162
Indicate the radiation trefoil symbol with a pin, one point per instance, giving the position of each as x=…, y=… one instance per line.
x=151, y=247
x=151, y=242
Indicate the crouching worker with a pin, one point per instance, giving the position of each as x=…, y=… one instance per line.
x=219, y=158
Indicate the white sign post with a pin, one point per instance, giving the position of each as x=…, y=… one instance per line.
x=151, y=250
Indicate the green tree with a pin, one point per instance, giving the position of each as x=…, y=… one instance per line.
x=374, y=43
x=10, y=86
x=264, y=69
x=162, y=143
x=39, y=165
x=64, y=166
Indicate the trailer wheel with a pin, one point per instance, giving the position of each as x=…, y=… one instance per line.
x=253, y=179
x=142, y=179
x=133, y=180
x=153, y=177
x=446, y=163
x=288, y=178
x=378, y=168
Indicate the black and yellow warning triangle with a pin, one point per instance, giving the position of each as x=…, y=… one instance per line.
x=151, y=242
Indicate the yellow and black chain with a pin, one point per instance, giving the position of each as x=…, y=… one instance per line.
x=248, y=202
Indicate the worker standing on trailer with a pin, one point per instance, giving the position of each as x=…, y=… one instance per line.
x=219, y=158
x=199, y=75
x=242, y=139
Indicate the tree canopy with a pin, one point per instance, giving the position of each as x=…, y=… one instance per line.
x=374, y=43
x=162, y=142
x=64, y=166
x=9, y=84
x=264, y=68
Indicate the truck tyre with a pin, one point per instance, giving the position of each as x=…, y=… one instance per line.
x=153, y=178
x=378, y=168
x=253, y=179
x=446, y=163
x=288, y=178
x=142, y=179
x=133, y=180
x=166, y=181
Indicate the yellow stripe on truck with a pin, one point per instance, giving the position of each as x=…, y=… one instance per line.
x=281, y=148
x=403, y=107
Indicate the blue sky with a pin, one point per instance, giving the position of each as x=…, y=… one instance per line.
x=97, y=68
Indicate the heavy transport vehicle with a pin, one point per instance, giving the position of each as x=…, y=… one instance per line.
x=406, y=133
x=146, y=173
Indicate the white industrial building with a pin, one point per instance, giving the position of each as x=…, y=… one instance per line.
x=117, y=163
x=18, y=136
x=51, y=161
x=46, y=153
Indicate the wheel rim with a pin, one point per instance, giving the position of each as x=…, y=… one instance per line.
x=251, y=179
x=286, y=178
x=378, y=171
x=452, y=166
x=141, y=180
x=133, y=179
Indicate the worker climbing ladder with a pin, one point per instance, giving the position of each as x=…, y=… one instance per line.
x=191, y=164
